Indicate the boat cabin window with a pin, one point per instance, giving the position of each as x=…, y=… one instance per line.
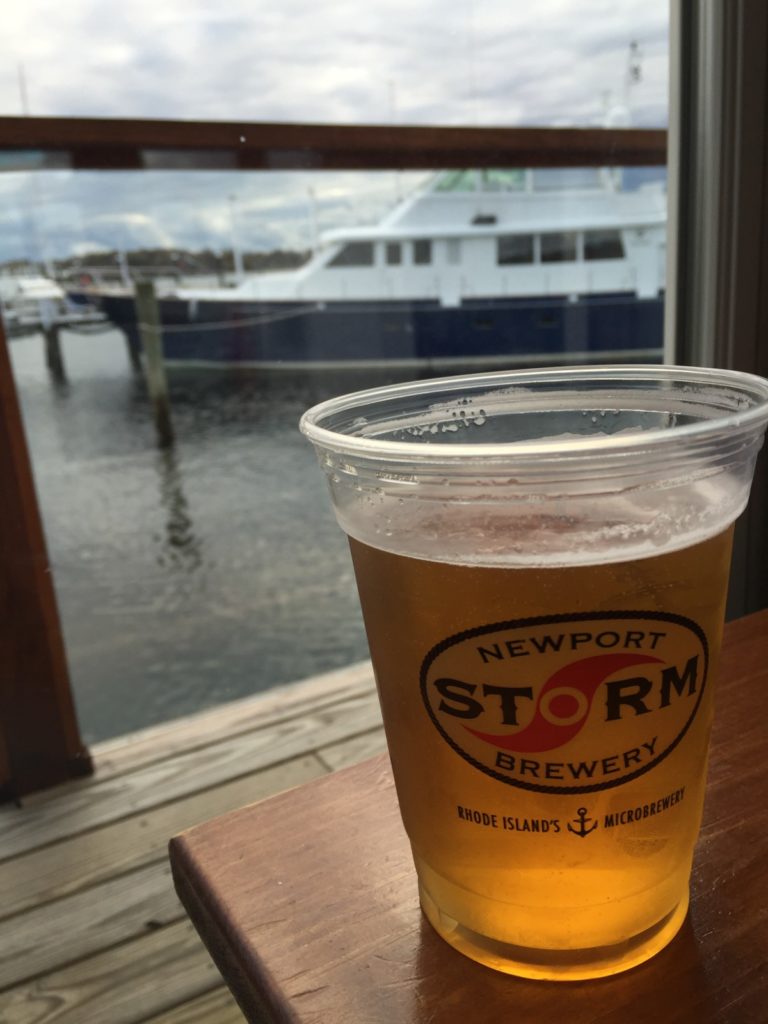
x=422, y=251
x=394, y=254
x=514, y=249
x=603, y=245
x=558, y=246
x=484, y=218
x=496, y=180
x=354, y=254
x=558, y=179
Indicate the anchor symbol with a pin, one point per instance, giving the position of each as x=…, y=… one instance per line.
x=582, y=830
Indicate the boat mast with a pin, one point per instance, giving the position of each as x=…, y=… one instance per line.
x=237, y=253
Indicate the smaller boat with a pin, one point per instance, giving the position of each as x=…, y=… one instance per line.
x=30, y=303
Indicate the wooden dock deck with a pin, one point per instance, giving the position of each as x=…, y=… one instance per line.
x=91, y=931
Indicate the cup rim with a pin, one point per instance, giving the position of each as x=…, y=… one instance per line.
x=593, y=445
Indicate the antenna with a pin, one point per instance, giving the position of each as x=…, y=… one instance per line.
x=634, y=73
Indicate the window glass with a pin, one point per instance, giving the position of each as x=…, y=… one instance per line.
x=190, y=541
x=394, y=254
x=493, y=180
x=354, y=254
x=558, y=246
x=603, y=245
x=422, y=251
x=514, y=249
x=551, y=179
x=457, y=181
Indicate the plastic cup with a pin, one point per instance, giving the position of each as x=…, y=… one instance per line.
x=542, y=559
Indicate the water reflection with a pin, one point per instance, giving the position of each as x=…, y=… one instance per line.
x=53, y=357
x=180, y=549
x=192, y=575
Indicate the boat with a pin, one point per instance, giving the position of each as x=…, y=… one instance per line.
x=30, y=302
x=492, y=267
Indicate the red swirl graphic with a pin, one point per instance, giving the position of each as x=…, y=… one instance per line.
x=561, y=716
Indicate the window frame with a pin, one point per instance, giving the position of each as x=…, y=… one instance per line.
x=716, y=310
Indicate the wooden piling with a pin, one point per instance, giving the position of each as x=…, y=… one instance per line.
x=133, y=355
x=150, y=331
x=53, y=357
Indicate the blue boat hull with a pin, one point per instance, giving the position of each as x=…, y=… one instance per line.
x=588, y=328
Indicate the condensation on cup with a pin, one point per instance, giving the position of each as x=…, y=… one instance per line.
x=542, y=559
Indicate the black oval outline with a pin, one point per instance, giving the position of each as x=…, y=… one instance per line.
x=543, y=620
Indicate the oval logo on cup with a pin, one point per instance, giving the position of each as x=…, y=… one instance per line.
x=568, y=703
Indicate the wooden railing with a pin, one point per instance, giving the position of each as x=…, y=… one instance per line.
x=100, y=144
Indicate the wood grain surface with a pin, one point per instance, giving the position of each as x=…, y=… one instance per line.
x=122, y=985
x=308, y=904
x=213, y=725
x=111, y=144
x=52, y=816
x=78, y=862
x=40, y=742
x=91, y=930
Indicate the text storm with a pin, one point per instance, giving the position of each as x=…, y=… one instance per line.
x=568, y=704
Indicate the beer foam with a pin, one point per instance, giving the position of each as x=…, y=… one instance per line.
x=554, y=532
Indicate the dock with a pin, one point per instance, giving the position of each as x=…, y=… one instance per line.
x=34, y=323
x=91, y=931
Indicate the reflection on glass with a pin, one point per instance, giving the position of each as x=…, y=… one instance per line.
x=310, y=323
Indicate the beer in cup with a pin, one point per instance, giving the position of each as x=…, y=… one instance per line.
x=542, y=559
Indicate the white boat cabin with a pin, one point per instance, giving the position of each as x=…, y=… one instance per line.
x=490, y=234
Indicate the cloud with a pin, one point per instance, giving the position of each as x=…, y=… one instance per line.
x=132, y=230
x=55, y=213
x=336, y=61
x=410, y=61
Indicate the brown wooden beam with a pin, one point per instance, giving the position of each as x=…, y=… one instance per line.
x=112, y=144
x=40, y=742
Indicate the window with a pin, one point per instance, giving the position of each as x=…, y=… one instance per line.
x=354, y=254
x=514, y=249
x=494, y=180
x=481, y=219
x=555, y=179
x=422, y=251
x=457, y=181
x=558, y=247
x=603, y=245
x=394, y=254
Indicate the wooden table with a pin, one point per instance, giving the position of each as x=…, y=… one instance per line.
x=307, y=901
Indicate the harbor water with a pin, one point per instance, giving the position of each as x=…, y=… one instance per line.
x=192, y=576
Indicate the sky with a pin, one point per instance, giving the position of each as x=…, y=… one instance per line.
x=478, y=62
